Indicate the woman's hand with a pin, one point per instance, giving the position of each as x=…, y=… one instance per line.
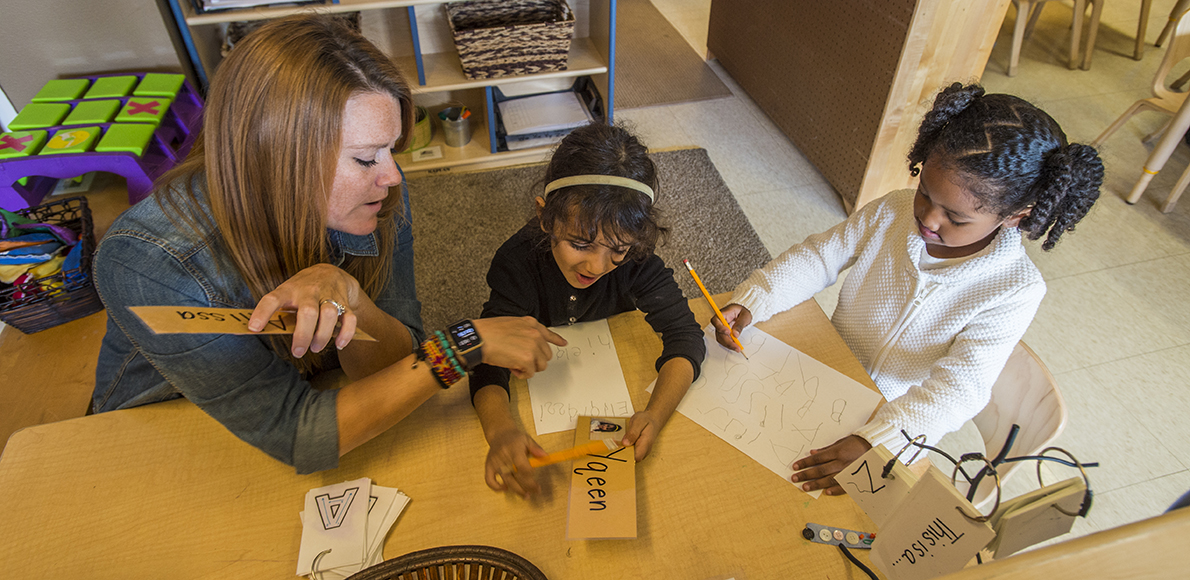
x=819, y=469
x=739, y=318
x=309, y=293
x=521, y=345
x=507, y=466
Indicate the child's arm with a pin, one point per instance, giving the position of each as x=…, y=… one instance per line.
x=806, y=268
x=673, y=381
x=683, y=349
x=509, y=447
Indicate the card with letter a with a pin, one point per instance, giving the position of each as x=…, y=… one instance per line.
x=334, y=526
x=602, y=485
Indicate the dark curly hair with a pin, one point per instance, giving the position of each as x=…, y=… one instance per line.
x=623, y=216
x=1011, y=156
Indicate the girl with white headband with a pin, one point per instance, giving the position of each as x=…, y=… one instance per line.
x=587, y=255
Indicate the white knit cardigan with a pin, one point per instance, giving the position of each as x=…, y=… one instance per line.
x=933, y=341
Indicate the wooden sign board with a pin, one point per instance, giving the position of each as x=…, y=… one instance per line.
x=1036, y=516
x=926, y=536
x=602, y=485
x=191, y=320
x=876, y=494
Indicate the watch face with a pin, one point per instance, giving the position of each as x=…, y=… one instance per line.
x=465, y=336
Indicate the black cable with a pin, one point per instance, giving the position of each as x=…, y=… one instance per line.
x=853, y=559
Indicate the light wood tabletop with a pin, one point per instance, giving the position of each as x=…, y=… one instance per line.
x=164, y=491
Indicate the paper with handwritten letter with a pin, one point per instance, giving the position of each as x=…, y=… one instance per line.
x=878, y=495
x=776, y=405
x=583, y=378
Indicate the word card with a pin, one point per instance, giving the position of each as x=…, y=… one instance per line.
x=203, y=320
x=777, y=404
x=926, y=535
x=344, y=525
x=602, y=485
x=877, y=495
x=583, y=378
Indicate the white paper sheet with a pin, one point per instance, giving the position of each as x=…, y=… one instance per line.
x=539, y=113
x=583, y=378
x=776, y=406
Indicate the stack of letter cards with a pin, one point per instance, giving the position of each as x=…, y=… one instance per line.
x=583, y=378
x=344, y=525
x=1036, y=516
x=777, y=404
x=602, y=485
x=928, y=533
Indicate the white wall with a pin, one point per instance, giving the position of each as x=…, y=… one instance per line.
x=47, y=39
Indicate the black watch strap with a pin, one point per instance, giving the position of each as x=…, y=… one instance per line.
x=467, y=343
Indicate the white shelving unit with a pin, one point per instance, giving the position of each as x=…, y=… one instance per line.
x=416, y=35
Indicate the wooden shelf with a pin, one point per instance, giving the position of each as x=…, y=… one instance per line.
x=475, y=152
x=267, y=12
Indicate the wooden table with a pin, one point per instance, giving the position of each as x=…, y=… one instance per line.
x=164, y=491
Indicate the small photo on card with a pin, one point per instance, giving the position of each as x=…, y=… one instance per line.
x=608, y=428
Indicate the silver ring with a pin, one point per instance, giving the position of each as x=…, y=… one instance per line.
x=337, y=306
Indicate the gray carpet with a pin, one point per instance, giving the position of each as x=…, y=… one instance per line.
x=459, y=220
x=654, y=63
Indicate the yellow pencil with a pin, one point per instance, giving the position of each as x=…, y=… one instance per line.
x=718, y=312
x=597, y=446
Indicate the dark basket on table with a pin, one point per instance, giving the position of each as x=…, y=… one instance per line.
x=76, y=297
x=498, y=38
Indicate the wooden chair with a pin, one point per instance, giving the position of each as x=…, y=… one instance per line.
x=1025, y=395
x=453, y=563
x=1166, y=101
x=1027, y=13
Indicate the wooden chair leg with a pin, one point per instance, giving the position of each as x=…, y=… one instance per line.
x=1178, y=9
x=1096, y=10
x=1178, y=188
x=1115, y=126
x=1023, y=9
x=1138, y=52
x=1076, y=33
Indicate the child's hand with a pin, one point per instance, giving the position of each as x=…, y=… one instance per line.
x=739, y=318
x=819, y=469
x=507, y=466
x=643, y=428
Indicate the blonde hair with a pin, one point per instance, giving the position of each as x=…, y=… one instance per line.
x=269, y=149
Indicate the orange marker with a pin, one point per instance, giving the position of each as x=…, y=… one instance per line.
x=718, y=312
x=597, y=446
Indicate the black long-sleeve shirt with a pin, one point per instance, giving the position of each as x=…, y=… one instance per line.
x=525, y=281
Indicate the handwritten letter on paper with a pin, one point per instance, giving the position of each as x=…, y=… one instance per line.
x=583, y=378
x=778, y=405
x=877, y=495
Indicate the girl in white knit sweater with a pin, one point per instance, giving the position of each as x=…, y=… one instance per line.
x=940, y=288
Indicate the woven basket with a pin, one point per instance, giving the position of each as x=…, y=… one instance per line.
x=498, y=38
x=76, y=297
x=453, y=563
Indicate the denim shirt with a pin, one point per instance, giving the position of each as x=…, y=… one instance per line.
x=145, y=260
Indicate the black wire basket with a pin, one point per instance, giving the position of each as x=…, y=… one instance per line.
x=71, y=294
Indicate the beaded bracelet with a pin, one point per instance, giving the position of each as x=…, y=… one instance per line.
x=437, y=352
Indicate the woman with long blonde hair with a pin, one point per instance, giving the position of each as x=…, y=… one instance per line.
x=290, y=200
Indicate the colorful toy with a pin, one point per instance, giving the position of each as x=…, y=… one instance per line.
x=135, y=125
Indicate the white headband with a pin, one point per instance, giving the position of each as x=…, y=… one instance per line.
x=599, y=180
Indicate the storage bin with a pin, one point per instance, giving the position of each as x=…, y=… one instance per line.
x=497, y=38
x=75, y=297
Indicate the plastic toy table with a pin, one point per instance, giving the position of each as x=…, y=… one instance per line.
x=135, y=125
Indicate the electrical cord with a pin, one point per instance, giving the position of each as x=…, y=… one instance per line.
x=855, y=561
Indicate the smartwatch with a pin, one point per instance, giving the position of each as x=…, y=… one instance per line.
x=467, y=343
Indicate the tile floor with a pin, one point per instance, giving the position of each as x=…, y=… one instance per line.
x=1113, y=327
